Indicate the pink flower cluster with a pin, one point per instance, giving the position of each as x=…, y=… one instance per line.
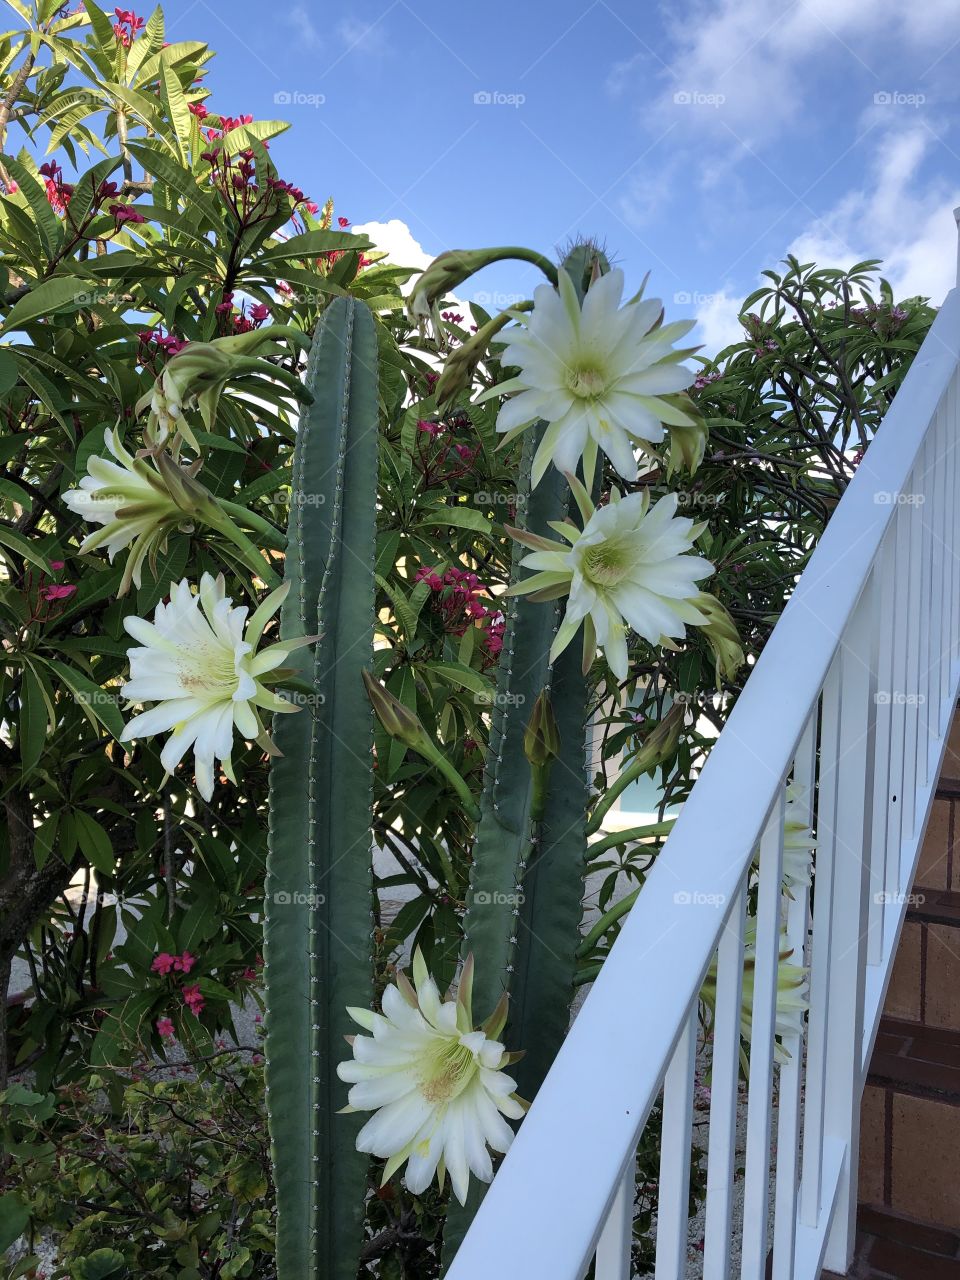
x=50, y=596
x=440, y=457
x=704, y=379
x=456, y=597
x=193, y=999
x=59, y=192
x=154, y=341
x=242, y=321
x=165, y=963
x=127, y=26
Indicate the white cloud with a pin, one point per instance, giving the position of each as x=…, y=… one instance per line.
x=744, y=68
x=362, y=37
x=900, y=216
x=717, y=323
x=396, y=239
x=307, y=34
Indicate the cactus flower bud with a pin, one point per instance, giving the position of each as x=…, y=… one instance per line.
x=404, y=725
x=541, y=738
x=461, y=363
x=721, y=632
x=687, y=441
x=450, y=269
x=137, y=502
x=198, y=372
x=541, y=746
x=659, y=745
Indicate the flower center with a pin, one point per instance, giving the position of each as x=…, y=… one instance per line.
x=606, y=564
x=448, y=1071
x=587, y=381
x=209, y=671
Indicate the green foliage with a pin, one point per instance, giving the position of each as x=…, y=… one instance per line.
x=145, y=1174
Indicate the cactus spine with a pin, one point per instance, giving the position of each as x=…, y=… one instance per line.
x=317, y=945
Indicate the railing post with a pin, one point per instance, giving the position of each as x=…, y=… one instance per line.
x=851, y=838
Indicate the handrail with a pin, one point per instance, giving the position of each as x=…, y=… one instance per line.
x=545, y=1210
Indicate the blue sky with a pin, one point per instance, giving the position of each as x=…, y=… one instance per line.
x=698, y=141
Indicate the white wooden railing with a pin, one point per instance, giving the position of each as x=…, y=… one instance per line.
x=852, y=698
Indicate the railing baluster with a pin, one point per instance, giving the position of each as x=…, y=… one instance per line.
x=820, y=953
x=788, y=1108
x=616, y=1239
x=946, y=470
x=724, y=1086
x=954, y=420
x=677, y=1137
x=852, y=839
x=762, y=1044
x=933, y=508
x=911, y=665
x=897, y=784
x=884, y=698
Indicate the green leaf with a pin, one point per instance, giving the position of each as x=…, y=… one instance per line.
x=61, y=293
x=14, y=1219
x=44, y=838
x=32, y=727
x=33, y=191
x=95, y=701
x=177, y=108
x=95, y=844
x=18, y=543
x=459, y=516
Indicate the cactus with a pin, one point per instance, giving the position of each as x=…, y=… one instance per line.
x=317, y=948
x=525, y=900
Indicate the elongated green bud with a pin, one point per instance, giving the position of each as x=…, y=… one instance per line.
x=659, y=745
x=404, y=725
x=687, y=444
x=450, y=269
x=541, y=746
x=461, y=363
x=721, y=631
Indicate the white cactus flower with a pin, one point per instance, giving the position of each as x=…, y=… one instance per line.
x=434, y=1083
x=136, y=502
x=199, y=664
x=798, y=841
x=597, y=374
x=629, y=567
x=792, y=1000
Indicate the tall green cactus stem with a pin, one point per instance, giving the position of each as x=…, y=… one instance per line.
x=524, y=905
x=319, y=882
